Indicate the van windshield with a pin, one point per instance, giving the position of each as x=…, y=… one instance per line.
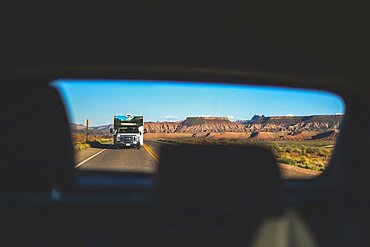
x=128, y=130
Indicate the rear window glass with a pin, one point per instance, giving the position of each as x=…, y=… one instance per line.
x=122, y=125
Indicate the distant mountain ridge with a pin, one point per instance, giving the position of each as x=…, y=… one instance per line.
x=76, y=127
x=292, y=124
x=262, y=123
x=195, y=125
x=94, y=130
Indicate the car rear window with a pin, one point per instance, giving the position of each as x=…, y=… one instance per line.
x=121, y=125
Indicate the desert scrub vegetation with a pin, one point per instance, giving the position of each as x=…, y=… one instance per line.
x=79, y=141
x=313, y=155
x=309, y=154
x=80, y=146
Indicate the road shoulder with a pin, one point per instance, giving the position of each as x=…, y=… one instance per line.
x=85, y=154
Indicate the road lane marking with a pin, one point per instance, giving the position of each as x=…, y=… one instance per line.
x=81, y=163
x=150, y=151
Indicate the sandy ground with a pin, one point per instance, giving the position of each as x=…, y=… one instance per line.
x=294, y=172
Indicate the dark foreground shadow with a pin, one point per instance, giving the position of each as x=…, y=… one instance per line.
x=210, y=195
x=96, y=144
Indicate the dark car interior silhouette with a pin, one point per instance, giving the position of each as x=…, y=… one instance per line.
x=44, y=201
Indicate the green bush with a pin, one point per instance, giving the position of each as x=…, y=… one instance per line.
x=286, y=160
x=81, y=146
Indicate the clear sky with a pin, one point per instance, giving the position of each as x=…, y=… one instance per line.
x=100, y=100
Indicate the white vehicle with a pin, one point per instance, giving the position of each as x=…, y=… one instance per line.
x=128, y=131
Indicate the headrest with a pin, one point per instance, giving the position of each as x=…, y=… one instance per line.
x=36, y=147
x=217, y=178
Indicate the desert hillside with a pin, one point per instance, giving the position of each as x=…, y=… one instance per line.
x=294, y=123
x=195, y=125
x=161, y=127
x=320, y=123
x=324, y=127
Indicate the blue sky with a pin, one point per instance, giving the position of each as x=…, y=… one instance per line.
x=100, y=100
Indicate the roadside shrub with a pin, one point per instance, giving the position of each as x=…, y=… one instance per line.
x=81, y=146
x=286, y=160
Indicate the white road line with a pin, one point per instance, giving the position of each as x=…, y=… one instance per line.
x=81, y=163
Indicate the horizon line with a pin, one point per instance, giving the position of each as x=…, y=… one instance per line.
x=174, y=121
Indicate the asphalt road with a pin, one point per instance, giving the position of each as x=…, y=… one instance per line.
x=106, y=157
x=146, y=159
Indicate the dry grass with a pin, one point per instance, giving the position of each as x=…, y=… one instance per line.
x=312, y=155
x=80, y=143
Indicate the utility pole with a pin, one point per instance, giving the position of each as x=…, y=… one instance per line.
x=87, y=130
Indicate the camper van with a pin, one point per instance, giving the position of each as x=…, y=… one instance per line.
x=128, y=131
